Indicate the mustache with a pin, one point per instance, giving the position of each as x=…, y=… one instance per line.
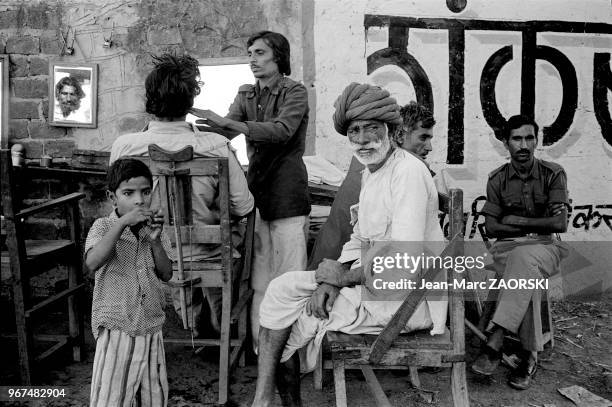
x=372, y=145
x=523, y=151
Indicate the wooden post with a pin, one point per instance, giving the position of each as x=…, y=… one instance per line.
x=340, y=383
x=457, y=314
x=75, y=275
x=17, y=257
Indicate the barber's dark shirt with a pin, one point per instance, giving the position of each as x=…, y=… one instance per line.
x=509, y=194
x=277, y=118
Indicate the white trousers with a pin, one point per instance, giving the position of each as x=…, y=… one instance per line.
x=129, y=368
x=280, y=246
x=285, y=302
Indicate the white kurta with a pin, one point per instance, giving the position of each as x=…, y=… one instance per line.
x=398, y=202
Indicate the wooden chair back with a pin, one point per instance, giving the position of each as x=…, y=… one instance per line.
x=28, y=258
x=175, y=174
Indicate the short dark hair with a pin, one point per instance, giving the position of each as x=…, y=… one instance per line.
x=172, y=85
x=517, y=121
x=124, y=169
x=413, y=113
x=69, y=81
x=280, y=48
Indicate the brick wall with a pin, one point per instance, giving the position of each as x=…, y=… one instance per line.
x=35, y=34
x=32, y=33
x=29, y=40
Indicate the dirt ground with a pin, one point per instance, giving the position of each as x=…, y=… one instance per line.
x=581, y=356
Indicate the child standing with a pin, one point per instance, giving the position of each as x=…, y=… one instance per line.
x=128, y=251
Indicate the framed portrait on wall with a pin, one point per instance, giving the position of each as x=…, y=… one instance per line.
x=73, y=94
x=4, y=100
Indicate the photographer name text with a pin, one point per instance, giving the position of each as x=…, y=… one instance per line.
x=462, y=284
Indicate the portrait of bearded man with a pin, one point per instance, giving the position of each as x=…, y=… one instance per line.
x=69, y=94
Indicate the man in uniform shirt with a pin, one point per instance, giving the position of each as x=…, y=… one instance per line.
x=526, y=205
x=273, y=116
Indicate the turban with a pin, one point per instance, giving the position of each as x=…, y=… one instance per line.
x=365, y=102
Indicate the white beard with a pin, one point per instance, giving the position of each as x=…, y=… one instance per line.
x=381, y=148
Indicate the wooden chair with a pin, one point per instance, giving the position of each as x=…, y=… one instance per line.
x=390, y=350
x=174, y=172
x=29, y=258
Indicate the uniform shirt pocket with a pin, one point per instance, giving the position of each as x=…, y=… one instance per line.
x=511, y=200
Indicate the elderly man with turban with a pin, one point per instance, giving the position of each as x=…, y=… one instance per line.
x=398, y=202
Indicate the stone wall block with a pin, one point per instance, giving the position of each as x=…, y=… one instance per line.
x=31, y=87
x=24, y=108
x=33, y=148
x=18, y=129
x=50, y=44
x=9, y=19
x=19, y=66
x=23, y=44
x=39, y=65
x=39, y=129
x=60, y=148
x=45, y=108
x=40, y=17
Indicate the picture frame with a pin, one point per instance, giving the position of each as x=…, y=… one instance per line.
x=4, y=101
x=73, y=94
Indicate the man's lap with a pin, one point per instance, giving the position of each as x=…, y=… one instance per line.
x=544, y=255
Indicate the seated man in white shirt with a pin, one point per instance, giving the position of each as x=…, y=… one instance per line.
x=171, y=88
x=398, y=202
x=413, y=135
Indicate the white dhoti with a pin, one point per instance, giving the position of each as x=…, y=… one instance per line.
x=284, y=305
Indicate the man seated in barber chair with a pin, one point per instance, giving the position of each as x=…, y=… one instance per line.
x=171, y=88
x=525, y=208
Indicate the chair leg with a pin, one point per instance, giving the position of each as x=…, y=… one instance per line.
x=414, y=377
x=24, y=333
x=459, y=385
x=242, y=327
x=550, y=325
x=75, y=316
x=224, y=343
x=340, y=383
x=317, y=375
x=375, y=388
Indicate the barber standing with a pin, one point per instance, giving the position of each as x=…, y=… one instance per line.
x=273, y=116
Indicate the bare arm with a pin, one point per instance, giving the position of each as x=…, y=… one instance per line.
x=99, y=254
x=163, y=264
x=229, y=127
x=339, y=274
x=550, y=224
x=499, y=230
x=513, y=225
